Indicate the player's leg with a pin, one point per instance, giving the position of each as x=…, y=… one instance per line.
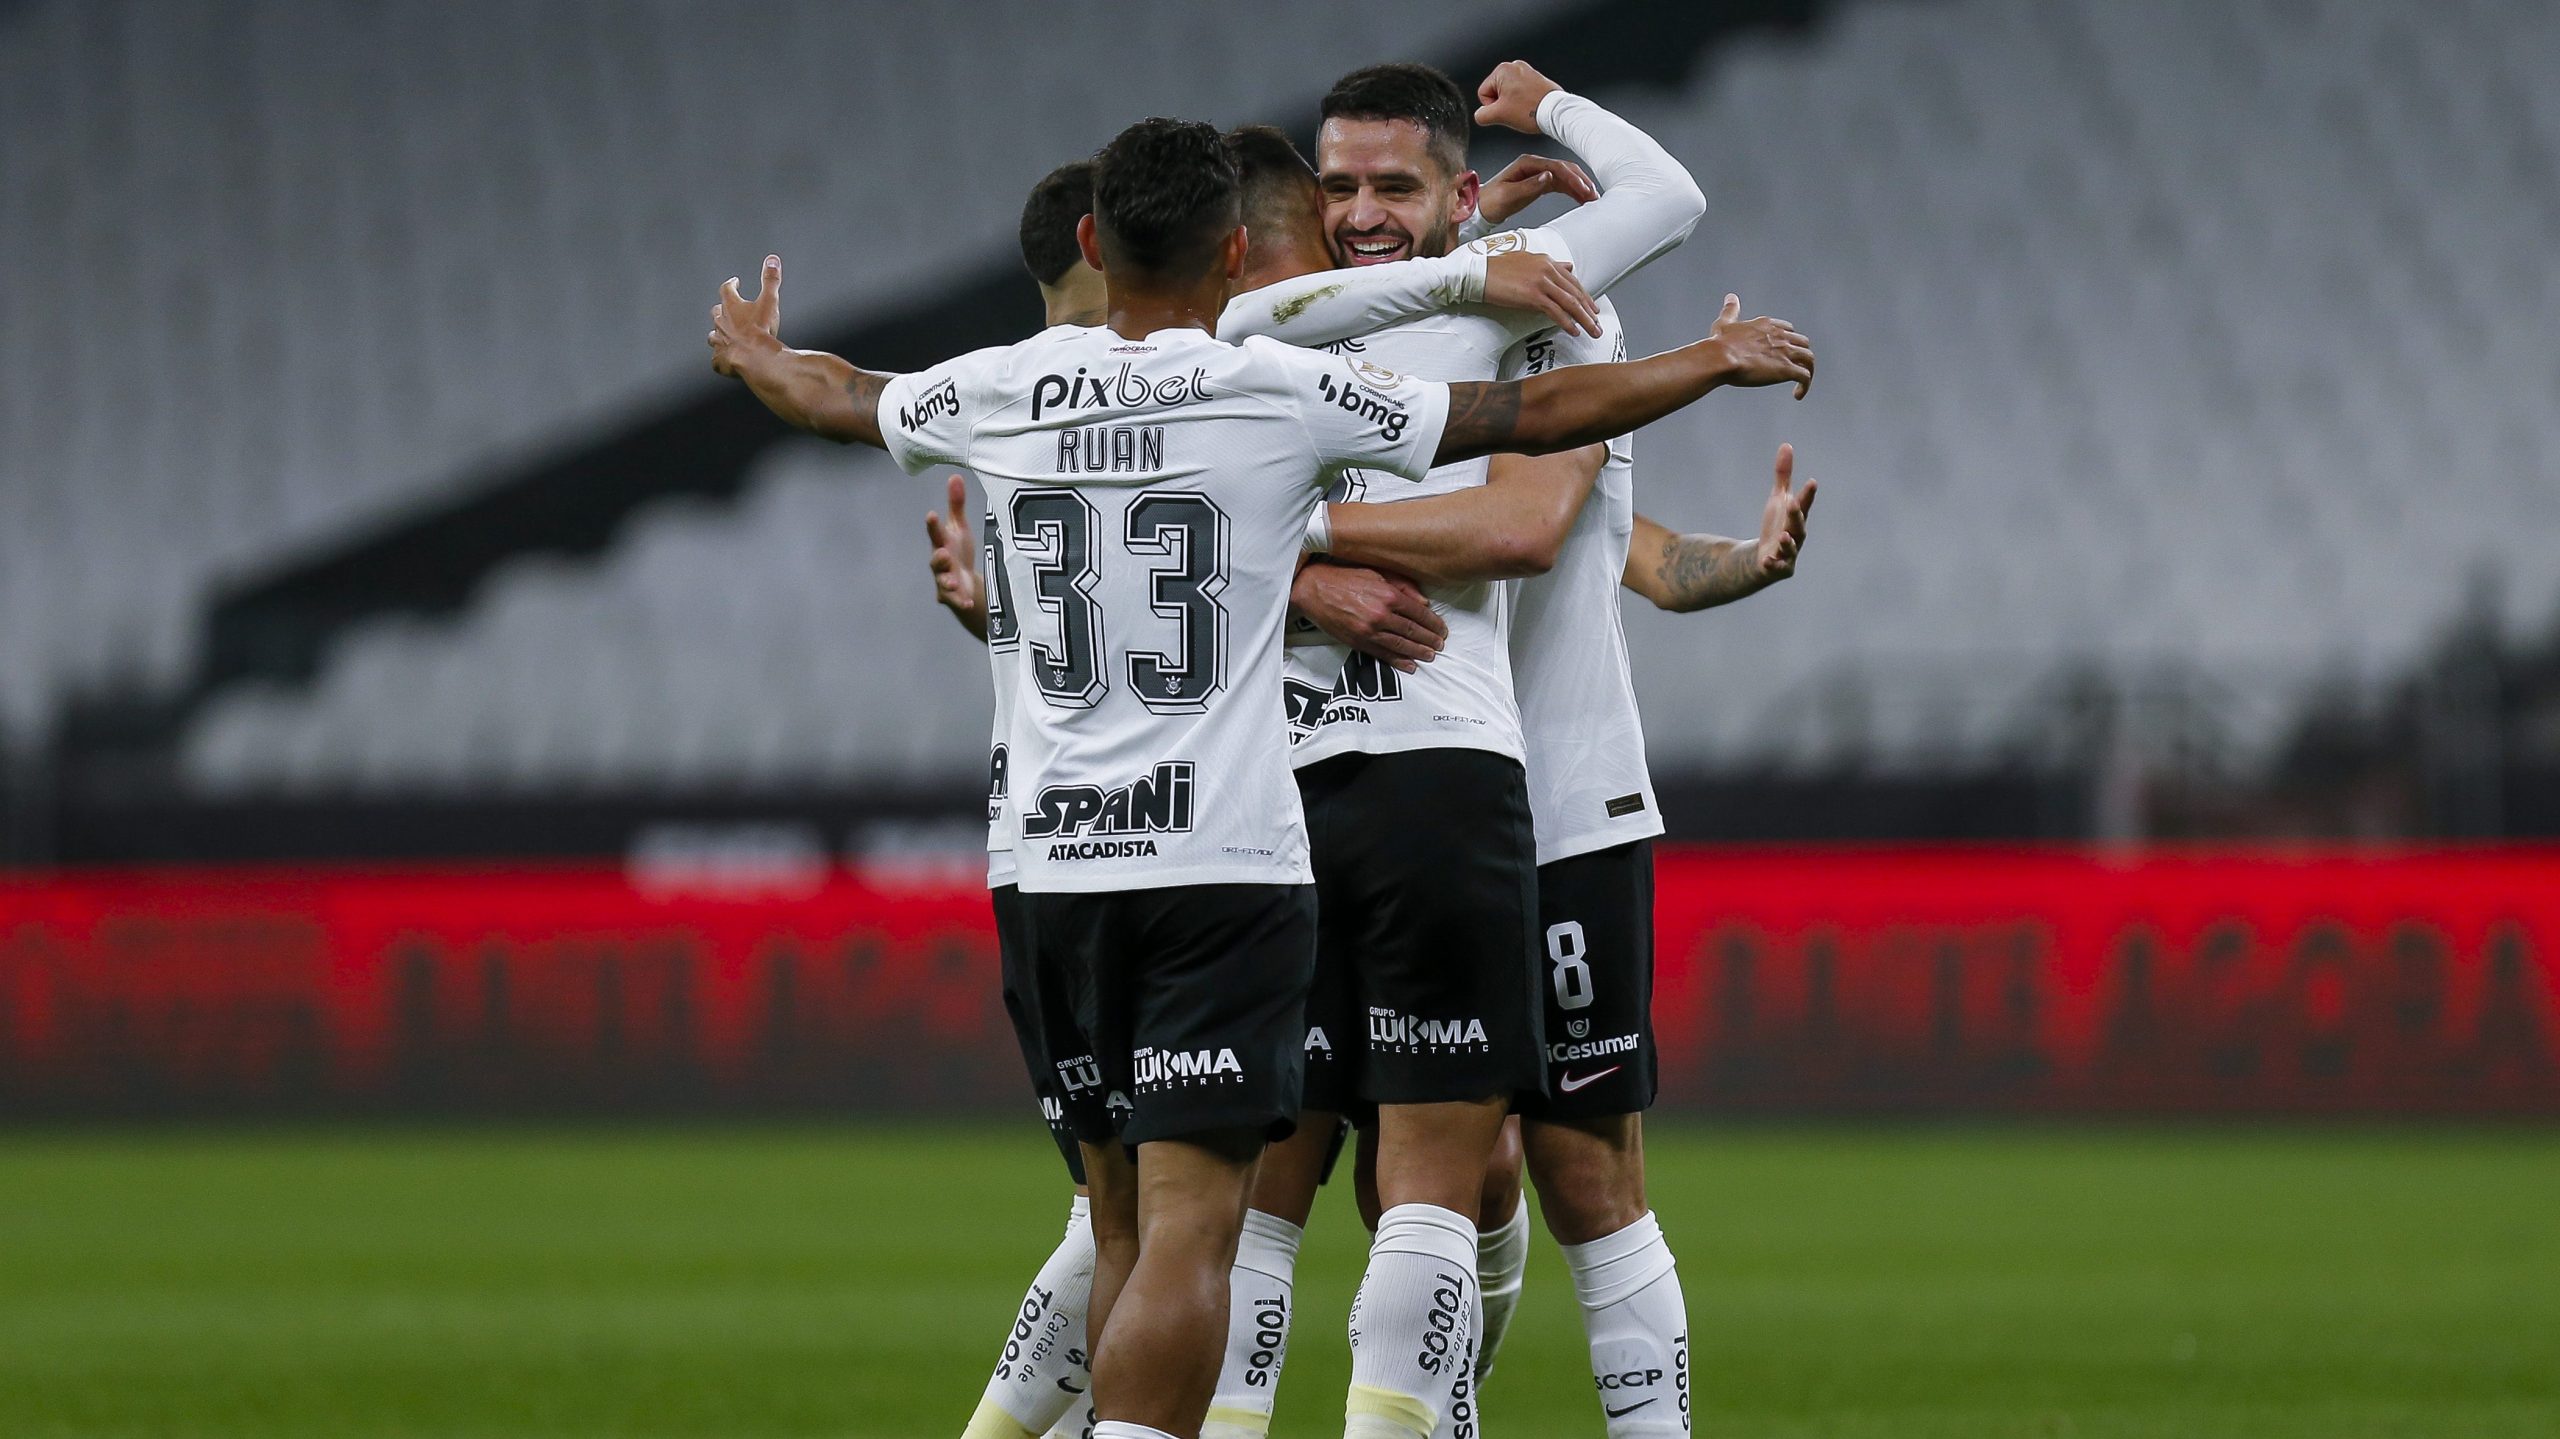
x=1446, y=981
x=1502, y=1245
x=1262, y=1286
x=1155, y=1363
x=1262, y=1293
x=1585, y=1136
x=1041, y=1371
x=1218, y=999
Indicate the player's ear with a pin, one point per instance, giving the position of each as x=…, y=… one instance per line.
x=1470, y=189
x=1238, y=242
x=1089, y=240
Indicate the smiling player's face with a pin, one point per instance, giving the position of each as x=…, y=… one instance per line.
x=1385, y=197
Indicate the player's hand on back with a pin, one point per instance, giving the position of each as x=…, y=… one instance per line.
x=1520, y=280
x=1509, y=96
x=1376, y=613
x=1763, y=351
x=956, y=585
x=1782, y=519
x=742, y=328
x=1529, y=179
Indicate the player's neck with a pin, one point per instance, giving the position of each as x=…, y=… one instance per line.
x=1284, y=257
x=1136, y=311
x=1077, y=299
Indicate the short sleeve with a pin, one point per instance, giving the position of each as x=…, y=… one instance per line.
x=925, y=417
x=1357, y=413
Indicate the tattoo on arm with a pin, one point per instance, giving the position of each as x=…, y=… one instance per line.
x=865, y=387
x=1698, y=572
x=1484, y=416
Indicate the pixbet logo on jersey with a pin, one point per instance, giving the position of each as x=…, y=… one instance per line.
x=1125, y=388
x=1158, y=803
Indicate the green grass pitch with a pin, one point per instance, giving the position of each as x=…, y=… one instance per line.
x=854, y=1281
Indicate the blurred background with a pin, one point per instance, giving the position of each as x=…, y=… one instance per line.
x=427, y=691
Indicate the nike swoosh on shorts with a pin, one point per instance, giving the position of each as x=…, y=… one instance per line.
x=1570, y=1083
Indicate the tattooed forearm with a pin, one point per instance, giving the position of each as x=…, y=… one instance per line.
x=1699, y=572
x=865, y=388
x=1484, y=416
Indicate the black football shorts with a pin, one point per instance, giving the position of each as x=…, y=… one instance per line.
x=1174, y=1011
x=1595, y=921
x=1426, y=881
x=1013, y=954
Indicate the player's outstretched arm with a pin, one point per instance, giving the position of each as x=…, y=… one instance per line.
x=1329, y=305
x=810, y=389
x=1696, y=572
x=1510, y=527
x=955, y=561
x=1648, y=202
x=1585, y=404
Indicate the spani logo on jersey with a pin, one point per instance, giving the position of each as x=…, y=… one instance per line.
x=1159, y=803
x=1390, y=416
x=997, y=763
x=1126, y=389
x=940, y=402
x=1365, y=680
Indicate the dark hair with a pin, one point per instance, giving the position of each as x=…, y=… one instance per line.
x=1063, y=197
x=1279, y=185
x=1164, y=194
x=1406, y=91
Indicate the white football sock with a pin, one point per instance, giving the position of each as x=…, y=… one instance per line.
x=1638, y=1325
x=1043, y=1370
x=1078, y=1422
x=1259, y=1292
x=1412, y=1326
x=1502, y=1256
x=1464, y=1418
x=1123, y=1429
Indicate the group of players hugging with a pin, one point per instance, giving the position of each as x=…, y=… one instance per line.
x=1318, y=795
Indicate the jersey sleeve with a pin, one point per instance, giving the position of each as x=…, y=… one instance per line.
x=1357, y=413
x=1345, y=304
x=926, y=417
x=1648, y=203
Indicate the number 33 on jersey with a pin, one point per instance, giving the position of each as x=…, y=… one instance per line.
x=1150, y=498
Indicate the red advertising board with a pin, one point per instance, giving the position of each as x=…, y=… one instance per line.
x=1919, y=980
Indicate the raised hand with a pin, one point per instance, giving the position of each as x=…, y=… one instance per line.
x=1521, y=280
x=1782, y=520
x=1509, y=96
x=956, y=584
x=1529, y=179
x=1763, y=351
x=742, y=328
x=1373, y=612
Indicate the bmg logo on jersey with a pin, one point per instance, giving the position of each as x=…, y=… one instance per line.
x=1158, y=803
x=1388, y=415
x=1125, y=388
x=940, y=402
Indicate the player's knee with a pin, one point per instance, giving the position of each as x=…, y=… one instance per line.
x=1501, y=1191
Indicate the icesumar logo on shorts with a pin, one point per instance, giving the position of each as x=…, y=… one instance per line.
x=1413, y=1034
x=1082, y=820
x=1165, y=1068
x=1591, y=1049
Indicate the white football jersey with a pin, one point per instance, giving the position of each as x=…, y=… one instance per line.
x=1151, y=497
x=1588, y=785
x=1004, y=638
x=1345, y=702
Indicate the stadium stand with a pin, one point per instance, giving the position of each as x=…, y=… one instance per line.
x=2102, y=395
x=2120, y=418
x=318, y=266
